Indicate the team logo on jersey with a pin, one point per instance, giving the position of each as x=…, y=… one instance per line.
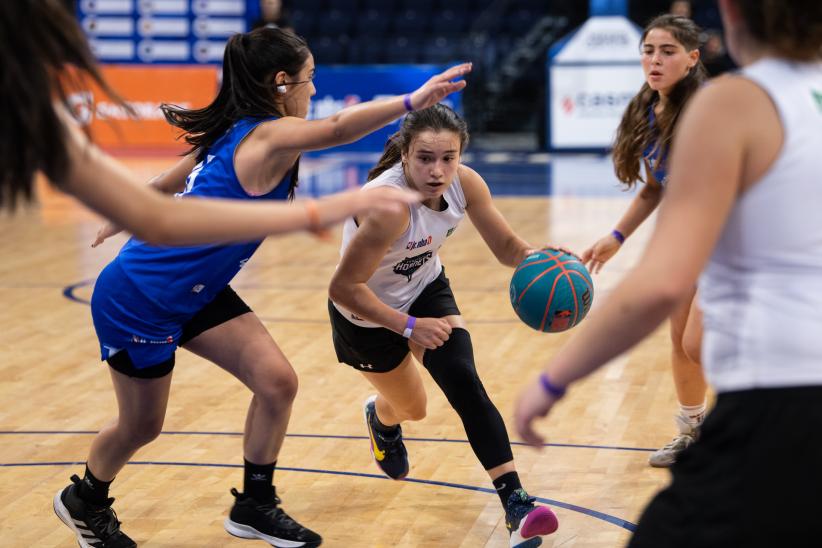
x=409, y=265
x=818, y=96
x=421, y=243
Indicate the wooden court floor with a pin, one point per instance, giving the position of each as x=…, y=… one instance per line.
x=54, y=394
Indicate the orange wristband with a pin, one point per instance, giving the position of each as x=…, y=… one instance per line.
x=314, y=227
x=313, y=216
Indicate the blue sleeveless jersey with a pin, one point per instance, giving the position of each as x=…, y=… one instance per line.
x=182, y=280
x=659, y=166
x=144, y=297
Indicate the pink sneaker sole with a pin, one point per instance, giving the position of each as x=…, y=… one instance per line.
x=540, y=521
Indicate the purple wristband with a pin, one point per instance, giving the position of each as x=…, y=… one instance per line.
x=406, y=100
x=409, y=327
x=548, y=386
x=618, y=236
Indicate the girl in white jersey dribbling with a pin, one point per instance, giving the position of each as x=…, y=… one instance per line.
x=390, y=302
x=743, y=208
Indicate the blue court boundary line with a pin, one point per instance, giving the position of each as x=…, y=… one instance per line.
x=323, y=436
x=613, y=520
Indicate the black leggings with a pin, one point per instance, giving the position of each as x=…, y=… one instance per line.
x=452, y=367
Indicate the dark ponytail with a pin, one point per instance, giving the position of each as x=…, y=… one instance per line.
x=250, y=62
x=436, y=118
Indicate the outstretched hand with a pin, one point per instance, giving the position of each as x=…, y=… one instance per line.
x=598, y=254
x=439, y=87
x=533, y=403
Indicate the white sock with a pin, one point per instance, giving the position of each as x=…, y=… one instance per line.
x=693, y=414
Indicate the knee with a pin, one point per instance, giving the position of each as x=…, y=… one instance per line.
x=415, y=411
x=277, y=386
x=143, y=431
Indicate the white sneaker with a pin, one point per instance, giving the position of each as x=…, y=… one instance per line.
x=665, y=457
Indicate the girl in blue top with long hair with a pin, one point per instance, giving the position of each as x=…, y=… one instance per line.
x=673, y=74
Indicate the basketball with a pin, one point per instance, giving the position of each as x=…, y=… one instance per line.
x=551, y=291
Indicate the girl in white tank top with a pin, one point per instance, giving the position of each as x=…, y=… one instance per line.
x=391, y=302
x=743, y=206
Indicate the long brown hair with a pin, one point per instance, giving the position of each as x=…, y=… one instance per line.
x=250, y=62
x=435, y=118
x=635, y=133
x=39, y=41
x=793, y=28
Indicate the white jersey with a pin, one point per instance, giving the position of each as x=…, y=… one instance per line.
x=761, y=291
x=412, y=262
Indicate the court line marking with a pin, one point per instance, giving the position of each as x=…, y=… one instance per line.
x=613, y=520
x=326, y=436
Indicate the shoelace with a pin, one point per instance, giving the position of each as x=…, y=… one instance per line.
x=681, y=441
x=105, y=521
x=521, y=509
x=272, y=509
x=277, y=514
x=392, y=443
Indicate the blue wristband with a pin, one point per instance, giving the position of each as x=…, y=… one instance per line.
x=618, y=236
x=554, y=390
x=406, y=100
x=409, y=327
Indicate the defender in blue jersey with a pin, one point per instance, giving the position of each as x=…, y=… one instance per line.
x=673, y=73
x=149, y=300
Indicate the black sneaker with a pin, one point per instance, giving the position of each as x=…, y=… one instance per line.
x=267, y=521
x=388, y=449
x=527, y=522
x=95, y=526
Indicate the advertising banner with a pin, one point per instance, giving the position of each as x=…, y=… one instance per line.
x=587, y=102
x=163, y=31
x=592, y=75
x=143, y=88
x=342, y=86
